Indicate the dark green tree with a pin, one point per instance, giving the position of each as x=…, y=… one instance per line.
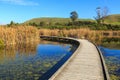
x=73, y=16
x=11, y=23
x=34, y=24
x=42, y=23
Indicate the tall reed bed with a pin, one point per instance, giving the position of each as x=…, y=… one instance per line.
x=76, y=33
x=26, y=34
x=7, y=35
x=21, y=34
x=29, y=34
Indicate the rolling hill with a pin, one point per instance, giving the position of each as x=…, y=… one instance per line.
x=53, y=20
x=113, y=19
x=110, y=19
x=49, y=20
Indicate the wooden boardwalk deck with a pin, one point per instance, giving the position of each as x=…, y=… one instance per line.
x=85, y=65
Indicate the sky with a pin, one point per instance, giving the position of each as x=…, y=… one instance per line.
x=22, y=10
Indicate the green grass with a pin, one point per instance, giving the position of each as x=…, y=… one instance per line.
x=113, y=19
x=53, y=20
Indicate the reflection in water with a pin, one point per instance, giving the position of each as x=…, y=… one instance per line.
x=7, y=54
x=112, y=58
x=30, y=61
x=13, y=51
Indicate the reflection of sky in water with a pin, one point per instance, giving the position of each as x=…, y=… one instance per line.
x=110, y=52
x=112, y=59
x=30, y=62
x=51, y=50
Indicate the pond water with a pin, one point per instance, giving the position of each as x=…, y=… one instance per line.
x=31, y=61
x=112, y=59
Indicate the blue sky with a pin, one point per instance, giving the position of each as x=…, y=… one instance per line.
x=22, y=10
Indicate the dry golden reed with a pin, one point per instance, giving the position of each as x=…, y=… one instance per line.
x=75, y=33
x=21, y=34
x=29, y=34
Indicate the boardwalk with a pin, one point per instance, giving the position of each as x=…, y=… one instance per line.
x=86, y=65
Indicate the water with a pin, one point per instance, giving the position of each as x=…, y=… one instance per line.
x=31, y=61
x=112, y=59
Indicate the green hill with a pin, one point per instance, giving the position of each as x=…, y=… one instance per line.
x=113, y=19
x=49, y=20
x=53, y=20
x=110, y=19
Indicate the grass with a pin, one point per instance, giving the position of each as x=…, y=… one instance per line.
x=51, y=21
x=113, y=19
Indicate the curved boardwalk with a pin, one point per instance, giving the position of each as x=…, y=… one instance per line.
x=85, y=65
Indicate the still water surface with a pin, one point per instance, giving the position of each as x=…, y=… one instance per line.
x=112, y=59
x=31, y=61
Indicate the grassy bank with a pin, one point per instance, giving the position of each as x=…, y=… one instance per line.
x=113, y=43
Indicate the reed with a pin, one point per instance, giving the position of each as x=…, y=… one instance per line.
x=26, y=34
x=29, y=34
x=86, y=33
x=20, y=34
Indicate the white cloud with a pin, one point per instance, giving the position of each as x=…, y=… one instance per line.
x=20, y=2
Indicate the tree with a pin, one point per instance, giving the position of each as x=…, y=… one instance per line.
x=98, y=17
x=42, y=23
x=105, y=11
x=101, y=14
x=73, y=16
x=32, y=24
x=12, y=24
